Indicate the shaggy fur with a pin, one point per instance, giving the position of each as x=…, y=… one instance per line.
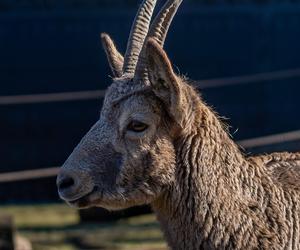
x=158, y=143
x=223, y=200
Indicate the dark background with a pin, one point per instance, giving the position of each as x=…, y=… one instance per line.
x=54, y=46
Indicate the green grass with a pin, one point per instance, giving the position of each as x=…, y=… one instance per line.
x=56, y=227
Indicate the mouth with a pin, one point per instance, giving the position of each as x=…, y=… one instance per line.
x=84, y=201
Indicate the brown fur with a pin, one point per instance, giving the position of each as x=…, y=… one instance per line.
x=181, y=160
x=223, y=200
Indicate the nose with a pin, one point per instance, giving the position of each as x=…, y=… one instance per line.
x=64, y=183
x=68, y=185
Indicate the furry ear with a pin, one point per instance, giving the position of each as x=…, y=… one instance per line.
x=163, y=80
x=115, y=59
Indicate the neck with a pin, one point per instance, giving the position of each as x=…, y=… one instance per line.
x=211, y=191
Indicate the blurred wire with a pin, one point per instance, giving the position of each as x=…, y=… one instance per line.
x=53, y=97
x=95, y=94
x=249, y=143
x=28, y=175
x=255, y=78
x=271, y=139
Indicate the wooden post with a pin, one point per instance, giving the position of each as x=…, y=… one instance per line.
x=6, y=233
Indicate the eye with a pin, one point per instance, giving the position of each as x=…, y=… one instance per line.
x=137, y=126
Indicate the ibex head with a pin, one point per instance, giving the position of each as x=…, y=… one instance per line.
x=128, y=157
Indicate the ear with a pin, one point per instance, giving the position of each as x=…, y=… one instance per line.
x=166, y=85
x=115, y=59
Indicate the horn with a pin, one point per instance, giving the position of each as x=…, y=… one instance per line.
x=158, y=30
x=115, y=59
x=161, y=24
x=138, y=33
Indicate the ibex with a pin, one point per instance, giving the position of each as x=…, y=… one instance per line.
x=158, y=143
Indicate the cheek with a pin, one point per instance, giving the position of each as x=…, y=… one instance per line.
x=161, y=161
x=154, y=163
x=106, y=168
x=147, y=160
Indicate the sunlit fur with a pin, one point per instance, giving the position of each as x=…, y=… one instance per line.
x=145, y=167
x=205, y=192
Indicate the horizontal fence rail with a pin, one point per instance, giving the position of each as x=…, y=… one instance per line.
x=29, y=175
x=248, y=143
x=271, y=139
x=53, y=97
x=247, y=79
x=95, y=94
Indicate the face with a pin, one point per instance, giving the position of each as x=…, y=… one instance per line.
x=126, y=159
x=128, y=156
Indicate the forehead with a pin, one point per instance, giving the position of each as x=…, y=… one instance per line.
x=143, y=103
x=119, y=88
x=124, y=95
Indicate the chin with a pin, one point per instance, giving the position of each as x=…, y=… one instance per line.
x=82, y=203
x=112, y=201
x=112, y=207
x=116, y=205
x=86, y=201
x=89, y=202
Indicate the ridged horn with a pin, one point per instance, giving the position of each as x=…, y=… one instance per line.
x=161, y=24
x=115, y=59
x=158, y=30
x=138, y=33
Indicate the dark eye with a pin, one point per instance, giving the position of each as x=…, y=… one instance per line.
x=137, y=126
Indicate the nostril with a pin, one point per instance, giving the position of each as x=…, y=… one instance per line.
x=66, y=182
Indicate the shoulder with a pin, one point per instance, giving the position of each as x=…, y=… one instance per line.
x=284, y=167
